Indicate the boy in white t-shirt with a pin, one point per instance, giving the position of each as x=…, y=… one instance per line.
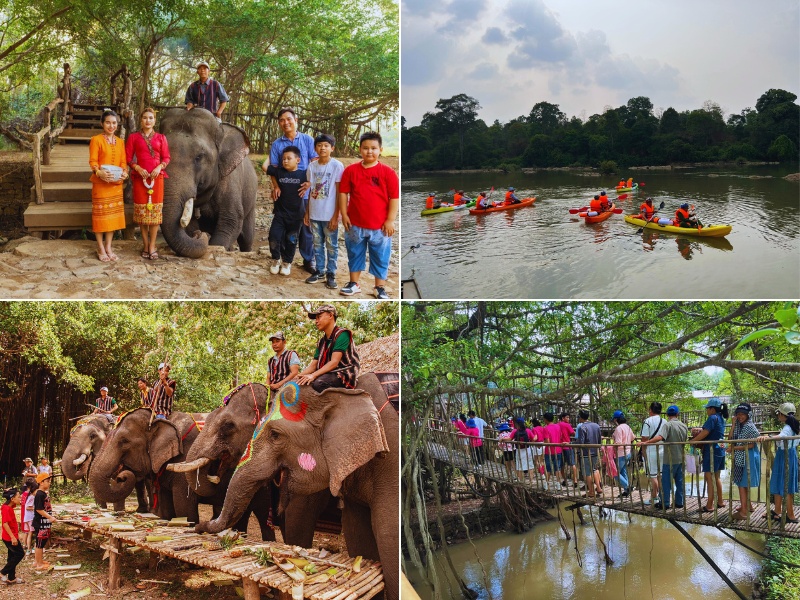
x=322, y=212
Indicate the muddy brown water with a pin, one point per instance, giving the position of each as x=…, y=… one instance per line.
x=651, y=559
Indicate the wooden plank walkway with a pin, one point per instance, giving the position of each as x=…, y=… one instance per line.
x=198, y=549
x=690, y=513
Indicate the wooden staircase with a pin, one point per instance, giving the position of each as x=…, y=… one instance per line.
x=66, y=200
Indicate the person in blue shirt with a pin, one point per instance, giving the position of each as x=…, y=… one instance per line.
x=713, y=429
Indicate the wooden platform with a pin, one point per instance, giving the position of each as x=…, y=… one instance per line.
x=635, y=503
x=199, y=549
x=65, y=215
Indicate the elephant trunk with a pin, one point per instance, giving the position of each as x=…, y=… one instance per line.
x=243, y=486
x=174, y=233
x=75, y=467
x=186, y=467
x=112, y=487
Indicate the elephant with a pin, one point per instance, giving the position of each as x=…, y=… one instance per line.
x=85, y=442
x=211, y=188
x=340, y=439
x=140, y=446
x=214, y=454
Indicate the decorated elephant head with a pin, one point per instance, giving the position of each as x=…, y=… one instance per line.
x=308, y=441
x=139, y=446
x=86, y=438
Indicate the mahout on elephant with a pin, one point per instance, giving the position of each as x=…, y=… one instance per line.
x=213, y=457
x=211, y=188
x=139, y=447
x=343, y=440
x=85, y=444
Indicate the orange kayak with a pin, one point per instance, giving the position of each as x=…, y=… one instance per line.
x=597, y=217
x=480, y=211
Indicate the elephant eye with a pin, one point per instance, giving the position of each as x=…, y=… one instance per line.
x=274, y=434
x=199, y=158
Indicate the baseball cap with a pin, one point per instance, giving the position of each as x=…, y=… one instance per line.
x=618, y=414
x=503, y=427
x=328, y=308
x=673, y=410
x=471, y=423
x=27, y=460
x=202, y=63
x=162, y=365
x=278, y=335
x=42, y=476
x=104, y=388
x=743, y=407
x=786, y=409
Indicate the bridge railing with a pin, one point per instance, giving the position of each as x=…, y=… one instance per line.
x=535, y=465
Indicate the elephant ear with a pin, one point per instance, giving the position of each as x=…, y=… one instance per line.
x=233, y=145
x=165, y=444
x=352, y=433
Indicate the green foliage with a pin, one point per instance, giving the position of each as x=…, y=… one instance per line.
x=629, y=135
x=608, y=166
x=780, y=581
x=788, y=328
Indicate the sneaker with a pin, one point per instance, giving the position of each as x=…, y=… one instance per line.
x=679, y=506
x=380, y=293
x=330, y=281
x=309, y=266
x=351, y=288
x=286, y=269
x=624, y=494
x=646, y=502
x=276, y=266
x=315, y=278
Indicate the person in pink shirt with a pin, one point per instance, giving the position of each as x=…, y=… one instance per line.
x=623, y=438
x=567, y=433
x=475, y=441
x=538, y=451
x=553, y=455
x=460, y=424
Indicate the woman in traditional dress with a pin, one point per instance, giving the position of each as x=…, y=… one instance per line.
x=148, y=155
x=108, y=211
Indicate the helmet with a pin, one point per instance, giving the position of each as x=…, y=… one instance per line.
x=618, y=414
x=685, y=206
x=596, y=197
x=603, y=193
x=511, y=189
x=649, y=201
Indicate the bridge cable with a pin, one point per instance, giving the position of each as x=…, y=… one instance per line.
x=709, y=560
x=767, y=556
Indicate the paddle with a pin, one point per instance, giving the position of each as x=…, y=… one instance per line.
x=641, y=229
x=575, y=211
x=488, y=199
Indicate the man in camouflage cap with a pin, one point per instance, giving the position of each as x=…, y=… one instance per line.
x=284, y=366
x=336, y=362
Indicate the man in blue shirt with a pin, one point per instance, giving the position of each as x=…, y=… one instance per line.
x=305, y=143
x=206, y=93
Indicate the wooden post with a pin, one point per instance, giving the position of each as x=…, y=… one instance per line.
x=251, y=591
x=46, y=116
x=114, y=563
x=87, y=535
x=153, y=562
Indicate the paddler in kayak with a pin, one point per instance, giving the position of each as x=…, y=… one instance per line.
x=458, y=198
x=605, y=204
x=432, y=202
x=482, y=201
x=621, y=183
x=683, y=218
x=648, y=211
x=630, y=182
x=595, y=205
x=511, y=198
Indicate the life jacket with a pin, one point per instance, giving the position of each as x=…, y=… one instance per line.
x=481, y=201
x=604, y=203
x=681, y=216
x=429, y=202
x=630, y=182
x=457, y=199
x=509, y=198
x=595, y=205
x=621, y=183
x=647, y=211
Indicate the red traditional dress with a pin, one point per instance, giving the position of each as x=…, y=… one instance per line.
x=148, y=195
x=108, y=211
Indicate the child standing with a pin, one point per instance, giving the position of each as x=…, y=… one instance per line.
x=11, y=537
x=288, y=215
x=369, y=196
x=42, y=520
x=322, y=212
x=27, y=515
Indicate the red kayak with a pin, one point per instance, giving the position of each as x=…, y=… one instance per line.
x=480, y=211
x=595, y=217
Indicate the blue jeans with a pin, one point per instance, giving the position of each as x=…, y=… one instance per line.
x=358, y=241
x=622, y=467
x=325, y=239
x=676, y=472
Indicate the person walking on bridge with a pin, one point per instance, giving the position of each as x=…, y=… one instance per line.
x=553, y=455
x=713, y=429
x=674, y=430
x=786, y=451
x=654, y=454
x=743, y=476
x=623, y=438
x=590, y=460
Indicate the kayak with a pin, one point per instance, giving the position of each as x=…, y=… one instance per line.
x=709, y=231
x=599, y=217
x=622, y=190
x=524, y=202
x=445, y=208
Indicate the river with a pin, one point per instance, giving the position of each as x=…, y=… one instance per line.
x=651, y=560
x=542, y=251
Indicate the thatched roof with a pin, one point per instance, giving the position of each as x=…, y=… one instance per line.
x=382, y=354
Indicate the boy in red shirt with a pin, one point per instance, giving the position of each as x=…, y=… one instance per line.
x=369, y=196
x=11, y=537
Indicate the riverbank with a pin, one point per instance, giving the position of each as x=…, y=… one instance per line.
x=593, y=171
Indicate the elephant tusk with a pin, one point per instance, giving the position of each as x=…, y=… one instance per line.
x=185, y=467
x=212, y=478
x=188, y=209
x=80, y=460
x=58, y=462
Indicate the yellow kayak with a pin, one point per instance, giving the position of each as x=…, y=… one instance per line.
x=709, y=231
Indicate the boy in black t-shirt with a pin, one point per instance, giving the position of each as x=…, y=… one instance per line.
x=42, y=520
x=288, y=212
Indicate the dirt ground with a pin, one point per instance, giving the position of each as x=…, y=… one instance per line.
x=69, y=269
x=68, y=540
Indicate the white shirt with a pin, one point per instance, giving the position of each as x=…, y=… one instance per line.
x=480, y=424
x=787, y=432
x=649, y=428
x=322, y=195
x=46, y=469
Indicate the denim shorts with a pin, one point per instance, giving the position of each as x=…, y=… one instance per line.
x=358, y=241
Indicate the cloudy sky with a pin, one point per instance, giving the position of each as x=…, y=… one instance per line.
x=584, y=55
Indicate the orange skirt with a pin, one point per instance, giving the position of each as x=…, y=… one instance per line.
x=141, y=213
x=108, y=209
